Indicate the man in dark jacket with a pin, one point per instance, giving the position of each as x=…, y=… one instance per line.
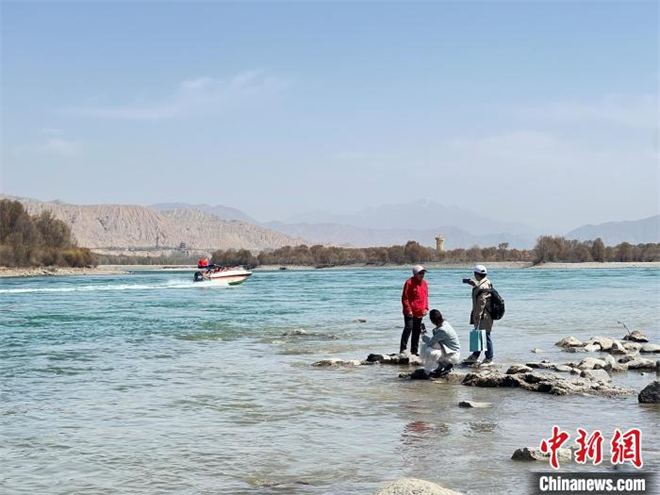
x=415, y=301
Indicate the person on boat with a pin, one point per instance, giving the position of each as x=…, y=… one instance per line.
x=203, y=263
x=442, y=350
x=415, y=302
x=480, y=317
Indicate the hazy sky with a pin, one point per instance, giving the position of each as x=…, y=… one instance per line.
x=541, y=113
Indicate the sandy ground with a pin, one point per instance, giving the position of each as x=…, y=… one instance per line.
x=119, y=269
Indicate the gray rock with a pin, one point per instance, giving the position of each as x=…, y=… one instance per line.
x=641, y=364
x=591, y=363
x=403, y=359
x=360, y=320
x=518, y=368
x=627, y=358
x=471, y=403
x=650, y=394
x=545, y=365
x=649, y=348
x=335, y=362
x=636, y=336
x=591, y=348
x=569, y=342
x=563, y=368
x=537, y=351
x=596, y=375
x=549, y=383
x=617, y=348
x=605, y=343
x=632, y=346
x=535, y=454
x=413, y=486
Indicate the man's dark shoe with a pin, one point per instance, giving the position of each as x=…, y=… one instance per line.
x=446, y=370
x=487, y=361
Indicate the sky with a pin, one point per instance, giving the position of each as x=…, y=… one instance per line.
x=543, y=113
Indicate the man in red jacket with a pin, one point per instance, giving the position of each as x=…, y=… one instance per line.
x=415, y=300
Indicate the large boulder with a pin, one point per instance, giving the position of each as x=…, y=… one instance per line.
x=569, y=342
x=413, y=486
x=535, y=454
x=636, y=336
x=650, y=394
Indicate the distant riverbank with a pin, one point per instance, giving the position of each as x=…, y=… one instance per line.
x=52, y=271
x=504, y=265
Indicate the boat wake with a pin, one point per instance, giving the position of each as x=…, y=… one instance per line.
x=171, y=284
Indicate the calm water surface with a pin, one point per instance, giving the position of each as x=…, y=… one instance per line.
x=148, y=383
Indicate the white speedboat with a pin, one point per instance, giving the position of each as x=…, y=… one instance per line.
x=230, y=275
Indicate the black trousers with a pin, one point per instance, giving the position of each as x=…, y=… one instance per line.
x=414, y=325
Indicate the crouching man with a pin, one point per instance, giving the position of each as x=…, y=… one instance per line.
x=441, y=351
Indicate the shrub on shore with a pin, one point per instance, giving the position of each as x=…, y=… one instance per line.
x=37, y=240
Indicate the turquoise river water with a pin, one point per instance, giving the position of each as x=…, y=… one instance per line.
x=148, y=383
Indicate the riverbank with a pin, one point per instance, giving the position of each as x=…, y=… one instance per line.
x=499, y=265
x=51, y=271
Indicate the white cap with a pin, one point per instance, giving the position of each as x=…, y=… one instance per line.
x=418, y=269
x=480, y=269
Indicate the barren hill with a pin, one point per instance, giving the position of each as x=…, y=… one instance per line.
x=131, y=226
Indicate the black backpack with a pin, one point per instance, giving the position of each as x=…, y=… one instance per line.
x=495, y=306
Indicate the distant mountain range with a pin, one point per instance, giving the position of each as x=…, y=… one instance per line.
x=635, y=231
x=130, y=226
x=203, y=226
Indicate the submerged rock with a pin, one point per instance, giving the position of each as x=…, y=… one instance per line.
x=475, y=404
x=537, y=351
x=650, y=394
x=360, y=320
x=295, y=331
x=570, y=342
x=535, y=454
x=414, y=486
x=636, y=336
x=336, y=362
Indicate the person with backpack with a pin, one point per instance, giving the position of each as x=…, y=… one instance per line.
x=483, y=296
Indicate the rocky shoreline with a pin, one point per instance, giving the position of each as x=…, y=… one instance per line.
x=51, y=271
x=592, y=376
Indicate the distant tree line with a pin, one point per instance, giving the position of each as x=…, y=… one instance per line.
x=547, y=249
x=559, y=249
x=168, y=259
x=37, y=240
